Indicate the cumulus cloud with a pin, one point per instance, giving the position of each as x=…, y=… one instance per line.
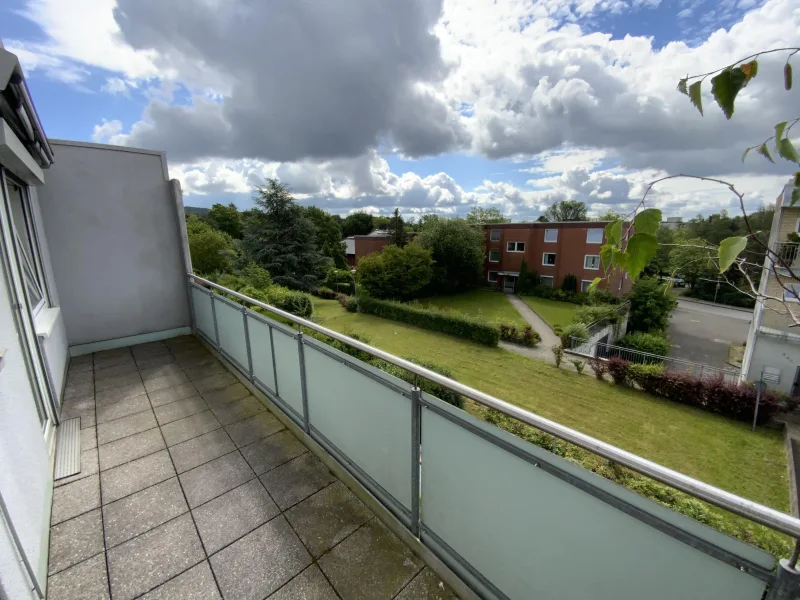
x=108, y=132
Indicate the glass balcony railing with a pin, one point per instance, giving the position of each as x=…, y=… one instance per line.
x=513, y=520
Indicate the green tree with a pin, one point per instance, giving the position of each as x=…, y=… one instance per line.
x=480, y=216
x=458, y=249
x=380, y=222
x=396, y=229
x=397, y=273
x=226, y=219
x=567, y=210
x=610, y=215
x=427, y=220
x=329, y=235
x=281, y=238
x=527, y=280
x=359, y=223
x=692, y=258
x=211, y=250
x=659, y=264
x=651, y=305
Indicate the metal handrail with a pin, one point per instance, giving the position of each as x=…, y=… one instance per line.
x=758, y=513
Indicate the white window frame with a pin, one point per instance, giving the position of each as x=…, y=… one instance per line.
x=498, y=256
x=516, y=246
x=589, y=281
x=788, y=297
x=589, y=233
x=587, y=257
x=489, y=276
x=550, y=277
x=547, y=264
x=491, y=235
x=553, y=241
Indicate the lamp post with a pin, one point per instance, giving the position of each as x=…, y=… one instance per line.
x=355, y=288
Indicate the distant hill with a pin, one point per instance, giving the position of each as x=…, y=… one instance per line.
x=195, y=210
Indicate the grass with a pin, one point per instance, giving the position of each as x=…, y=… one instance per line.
x=483, y=304
x=552, y=311
x=713, y=449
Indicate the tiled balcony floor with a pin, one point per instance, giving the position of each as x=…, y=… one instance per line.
x=190, y=488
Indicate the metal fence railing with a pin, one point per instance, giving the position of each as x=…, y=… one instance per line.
x=788, y=252
x=510, y=518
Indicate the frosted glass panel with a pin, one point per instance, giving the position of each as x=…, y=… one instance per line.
x=533, y=535
x=261, y=351
x=287, y=364
x=203, y=318
x=369, y=422
x=230, y=326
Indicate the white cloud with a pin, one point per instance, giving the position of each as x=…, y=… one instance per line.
x=115, y=85
x=108, y=132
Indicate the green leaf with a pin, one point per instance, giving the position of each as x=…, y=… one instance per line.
x=745, y=152
x=729, y=250
x=620, y=259
x=779, y=132
x=682, y=86
x=641, y=248
x=787, y=76
x=787, y=151
x=764, y=151
x=694, y=95
x=726, y=86
x=614, y=232
x=607, y=255
x=647, y=221
x=595, y=282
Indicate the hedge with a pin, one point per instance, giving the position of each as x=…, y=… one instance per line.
x=325, y=293
x=446, y=322
x=511, y=332
x=652, y=343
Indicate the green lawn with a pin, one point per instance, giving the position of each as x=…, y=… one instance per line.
x=711, y=448
x=552, y=311
x=482, y=304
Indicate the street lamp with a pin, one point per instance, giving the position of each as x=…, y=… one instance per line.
x=355, y=289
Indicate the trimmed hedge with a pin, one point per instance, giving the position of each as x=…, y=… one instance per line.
x=645, y=342
x=325, y=293
x=450, y=323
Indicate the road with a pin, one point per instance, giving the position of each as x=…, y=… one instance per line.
x=703, y=333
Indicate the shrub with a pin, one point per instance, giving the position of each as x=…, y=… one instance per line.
x=651, y=305
x=446, y=322
x=558, y=355
x=578, y=364
x=527, y=280
x=597, y=313
x=618, y=369
x=398, y=273
x=297, y=303
x=325, y=292
x=349, y=303
x=429, y=387
x=599, y=366
x=510, y=332
x=652, y=343
x=570, y=284
x=573, y=330
x=340, y=280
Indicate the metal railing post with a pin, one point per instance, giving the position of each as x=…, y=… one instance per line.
x=303, y=387
x=274, y=367
x=214, y=316
x=416, y=441
x=247, y=343
x=787, y=578
x=192, y=318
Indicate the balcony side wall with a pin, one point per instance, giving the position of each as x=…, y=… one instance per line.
x=114, y=241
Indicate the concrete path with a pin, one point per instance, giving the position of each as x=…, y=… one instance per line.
x=549, y=338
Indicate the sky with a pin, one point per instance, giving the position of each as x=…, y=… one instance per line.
x=429, y=106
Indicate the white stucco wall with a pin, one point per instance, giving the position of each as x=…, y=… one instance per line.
x=774, y=352
x=113, y=236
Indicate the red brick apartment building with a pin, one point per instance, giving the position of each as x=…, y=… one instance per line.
x=553, y=249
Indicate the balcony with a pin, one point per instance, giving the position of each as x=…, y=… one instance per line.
x=787, y=253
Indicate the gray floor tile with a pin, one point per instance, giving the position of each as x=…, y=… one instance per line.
x=125, y=426
x=136, y=475
x=75, y=498
x=122, y=408
x=119, y=381
x=149, y=349
x=112, y=353
x=172, y=394
x=309, y=585
x=195, y=584
x=110, y=361
x=426, y=586
x=226, y=395
x=88, y=418
x=162, y=370
x=143, y=511
x=119, y=393
x=77, y=390
x=189, y=427
x=214, y=478
x=75, y=540
x=86, y=580
x=155, y=360
x=234, y=514
x=253, y=429
x=297, y=480
x=270, y=556
x=192, y=453
x=149, y=560
x=167, y=381
x=81, y=364
x=114, y=372
x=75, y=406
x=372, y=563
x=195, y=358
x=79, y=376
x=88, y=438
x=89, y=466
x=238, y=410
x=204, y=368
x=268, y=453
x=214, y=382
x=326, y=518
x=130, y=448
x=180, y=409
x=182, y=341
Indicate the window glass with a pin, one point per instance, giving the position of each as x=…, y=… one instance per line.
x=546, y=280
x=591, y=261
x=585, y=285
x=551, y=235
x=793, y=294
x=492, y=276
x=494, y=235
x=494, y=255
x=594, y=236
x=549, y=258
x=515, y=246
x=25, y=244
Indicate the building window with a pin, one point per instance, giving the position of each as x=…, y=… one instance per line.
x=793, y=293
x=549, y=259
x=546, y=280
x=585, y=283
x=515, y=246
x=594, y=236
x=492, y=277
x=591, y=261
x=494, y=235
x=494, y=255
x=550, y=235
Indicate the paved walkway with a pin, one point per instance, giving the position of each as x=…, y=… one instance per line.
x=190, y=488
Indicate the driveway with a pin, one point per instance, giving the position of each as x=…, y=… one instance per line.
x=703, y=333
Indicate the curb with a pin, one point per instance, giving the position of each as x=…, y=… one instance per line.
x=707, y=303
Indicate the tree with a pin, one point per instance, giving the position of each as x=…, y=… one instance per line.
x=226, y=219
x=358, y=223
x=567, y=210
x=396, y=229
x=329, y=235
x=651, y=305
x=395, y=272
x=380, y=222
x=610, y=215
x=691, y=258
x=211, y=250
x=458, y=249
x=427, y=220
x=479, y=216
x=281, y=238
x=527, y=280
x=660, y=263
